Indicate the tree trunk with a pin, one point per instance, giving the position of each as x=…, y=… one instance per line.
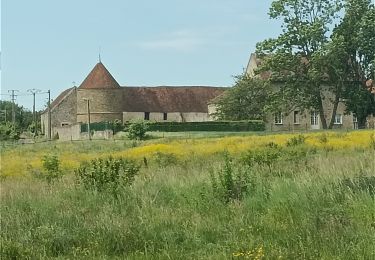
x=334, y=110
x=321, y=112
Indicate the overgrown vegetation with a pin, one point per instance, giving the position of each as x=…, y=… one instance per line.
x=137, y=130
x=252, y=204
x=107, y=174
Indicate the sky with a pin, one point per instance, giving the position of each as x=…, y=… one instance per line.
x=54, y=44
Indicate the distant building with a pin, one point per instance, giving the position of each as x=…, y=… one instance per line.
x=303, y=119
x=109, y=101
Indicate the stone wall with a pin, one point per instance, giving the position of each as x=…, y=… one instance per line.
x=67, y=133
x=105, y=104
x=304, y=123
x=171, y=117
x=63, y=113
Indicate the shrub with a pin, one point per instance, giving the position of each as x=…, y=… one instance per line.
x=263, y=157
x=229, y=126
x=137, y=130
x=165, y=159
x=230, y=183
x=107, y=174
x=296, y=140
x=9, y=131
x=51, y=166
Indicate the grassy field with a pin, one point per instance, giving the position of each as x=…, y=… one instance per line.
x=298, y=197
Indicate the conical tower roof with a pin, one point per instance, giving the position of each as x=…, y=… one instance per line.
x=99, y=78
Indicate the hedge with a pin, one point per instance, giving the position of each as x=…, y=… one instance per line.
x=218, y=126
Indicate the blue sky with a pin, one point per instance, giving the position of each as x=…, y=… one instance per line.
x=50, y=44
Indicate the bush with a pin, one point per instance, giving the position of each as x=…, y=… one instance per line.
x=296, y=140
x=137, y=130
x=230, y=183
x=107, y=174
x=228, y=126
x=51, y=166
x=262, y=157
x=8, y=131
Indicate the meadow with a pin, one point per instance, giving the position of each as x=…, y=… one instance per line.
x=247, y=196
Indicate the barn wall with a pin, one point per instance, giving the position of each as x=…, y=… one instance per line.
x=105, y=104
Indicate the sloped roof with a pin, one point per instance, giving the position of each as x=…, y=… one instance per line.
x=99, y=78
x=169, y=99
x=59, y=99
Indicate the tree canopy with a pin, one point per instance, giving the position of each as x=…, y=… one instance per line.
x=246, y=100
x=319, y=51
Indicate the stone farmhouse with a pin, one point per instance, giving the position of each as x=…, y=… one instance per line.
x=306, y=119
x=108, y=101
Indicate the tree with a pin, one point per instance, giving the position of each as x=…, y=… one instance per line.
x=295, y=56
x=354, y=37
x=245, y=100
x=24, y=117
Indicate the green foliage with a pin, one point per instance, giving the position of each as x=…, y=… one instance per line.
x=224, y=126
x=51, y=166
x=107, y=174
x=309, y=58
x=244, y=101
x=230, y=182
x=172, y=213
x=23, y=116
x=359, y=184
x=165, y=159
x=263, y=157
x=296, y=140
x=137, y=130
x=117, y=126
x=8, y=131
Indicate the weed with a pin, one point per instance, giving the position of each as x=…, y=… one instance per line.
x=51, y=167
x=296, y=140
x=165, y=159
x=107, y=174
x=230, y=182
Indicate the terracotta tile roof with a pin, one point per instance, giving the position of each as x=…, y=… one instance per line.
x=169, y=99
x=99, y=77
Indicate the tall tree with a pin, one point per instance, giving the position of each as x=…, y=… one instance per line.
x=355, y=37
x=294, y=57
x=245, y=100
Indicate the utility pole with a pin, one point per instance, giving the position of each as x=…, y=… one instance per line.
x=88, y=117
x=13, y=98
x=34, y=91
x=49, y=115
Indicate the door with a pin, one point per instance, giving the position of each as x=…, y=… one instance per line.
x=314, y=120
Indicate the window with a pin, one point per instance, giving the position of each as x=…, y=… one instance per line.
x=355, y=121
x=65, y=124
x=314, y=120
x=296, y=117
x=165, y=116
x=278, y=118
x=147, y=116
x=338, y=119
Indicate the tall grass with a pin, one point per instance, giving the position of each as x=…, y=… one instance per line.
x=302, y=209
